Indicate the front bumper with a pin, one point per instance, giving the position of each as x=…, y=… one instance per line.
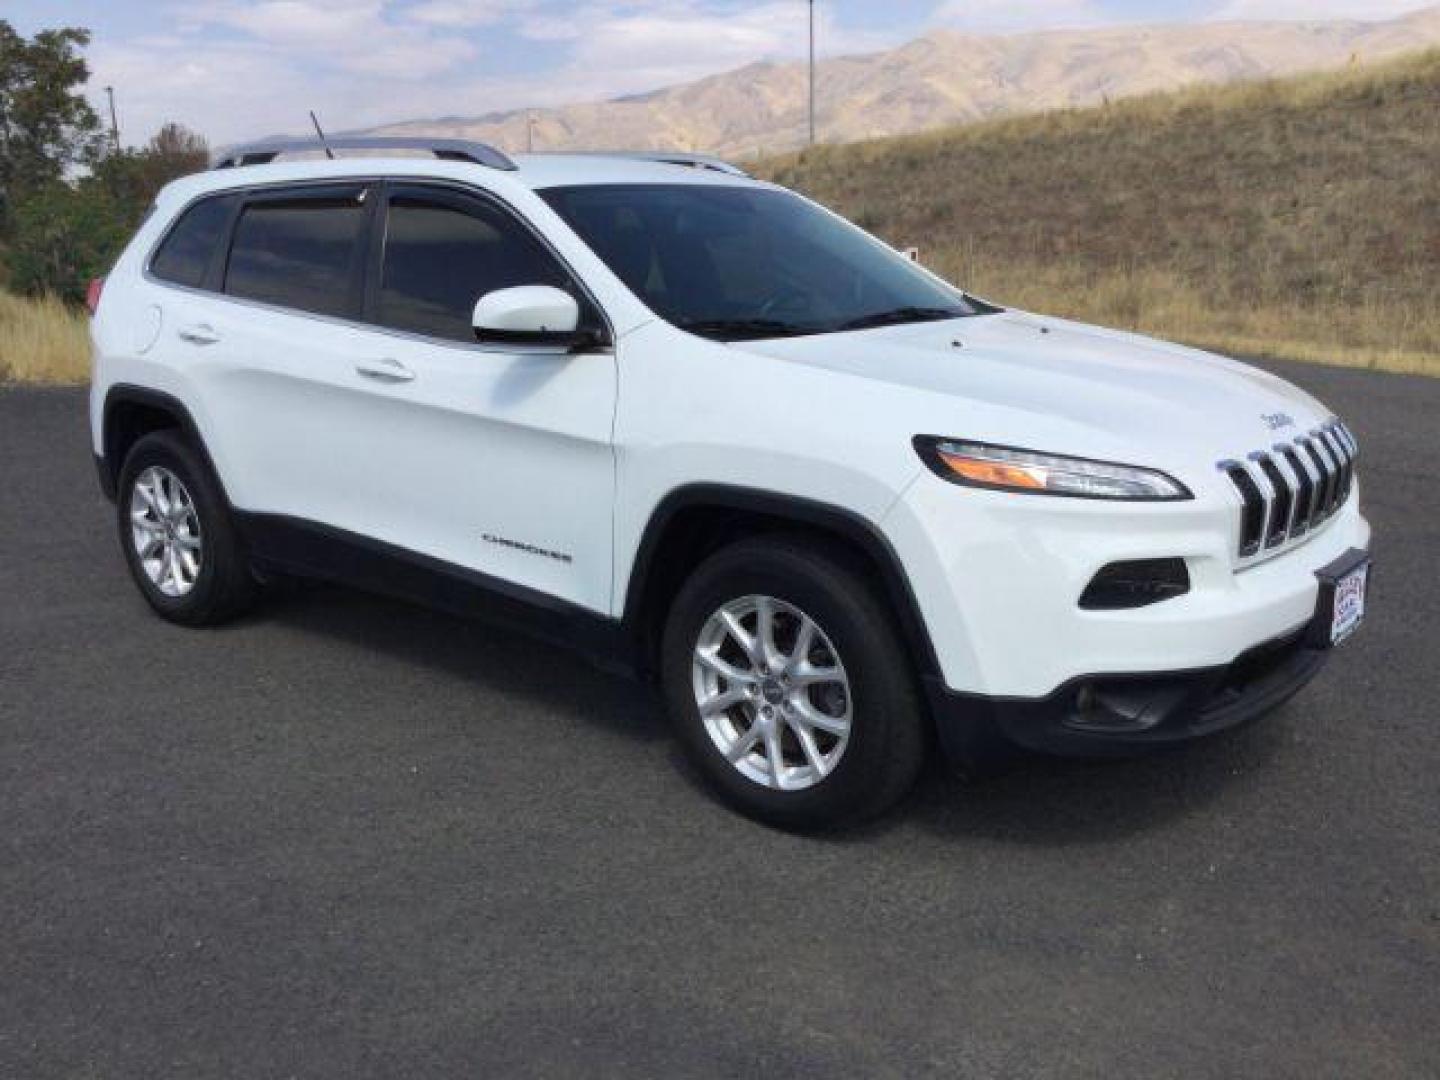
x=1112, y=715
x=998, y=579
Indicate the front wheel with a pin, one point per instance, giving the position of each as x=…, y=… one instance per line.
x=788, y=684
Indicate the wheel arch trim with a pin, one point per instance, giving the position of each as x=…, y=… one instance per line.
x=109, y=464
x=847, y=525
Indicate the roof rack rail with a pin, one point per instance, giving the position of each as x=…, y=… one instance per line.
x=670, y=157
x=262, y=153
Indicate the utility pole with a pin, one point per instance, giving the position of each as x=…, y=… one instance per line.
x=529, y=133
x=812, y=72
x=114, y=123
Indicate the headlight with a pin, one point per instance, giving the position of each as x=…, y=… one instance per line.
x=1005, y=468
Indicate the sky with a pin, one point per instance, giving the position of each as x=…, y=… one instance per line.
x=234, y=70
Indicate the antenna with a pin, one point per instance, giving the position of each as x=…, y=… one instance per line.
x=314, y=120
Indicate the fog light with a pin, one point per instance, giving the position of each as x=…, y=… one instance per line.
x=1136, y=584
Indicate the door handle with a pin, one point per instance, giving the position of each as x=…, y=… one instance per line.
x=199, y=334
x=384, y=370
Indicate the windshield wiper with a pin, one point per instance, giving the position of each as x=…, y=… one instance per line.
x=739, y=329
x=895, y=316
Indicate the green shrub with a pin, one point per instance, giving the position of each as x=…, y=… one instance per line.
x=61, y=237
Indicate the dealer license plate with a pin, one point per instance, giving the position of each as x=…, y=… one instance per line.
x=1347, y=610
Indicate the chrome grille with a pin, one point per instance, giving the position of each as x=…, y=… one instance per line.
x=1293, y=487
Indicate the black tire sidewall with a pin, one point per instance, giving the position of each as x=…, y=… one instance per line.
x=881, y=756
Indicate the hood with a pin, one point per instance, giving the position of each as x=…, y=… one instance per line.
x=1093, y=388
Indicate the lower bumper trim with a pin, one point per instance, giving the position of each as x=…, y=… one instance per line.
x=1110, y=715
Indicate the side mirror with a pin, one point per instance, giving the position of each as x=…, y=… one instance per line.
x=530, y=315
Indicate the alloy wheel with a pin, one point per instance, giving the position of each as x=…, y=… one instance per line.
x=772, y=692
x=165, y=531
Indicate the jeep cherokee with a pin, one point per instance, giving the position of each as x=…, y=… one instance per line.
x=710, y=432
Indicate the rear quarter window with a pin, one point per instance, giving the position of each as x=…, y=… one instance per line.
x=184, y=256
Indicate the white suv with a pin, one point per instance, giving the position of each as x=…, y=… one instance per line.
x=710, y=432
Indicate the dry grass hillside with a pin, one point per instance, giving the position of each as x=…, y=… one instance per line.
x=943, y=78
x=1297, y=218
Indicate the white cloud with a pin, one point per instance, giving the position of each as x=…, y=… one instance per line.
x=223, y=92
x=985, y=16
x=234, y=71
x=1368, y=10
x=461, y=14
x=689, y=39
x=641, y=46
x=294, y=23
x=350, y=35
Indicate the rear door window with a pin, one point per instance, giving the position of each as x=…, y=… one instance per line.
x=187, y=252
x=443, y=252
x=302, y=252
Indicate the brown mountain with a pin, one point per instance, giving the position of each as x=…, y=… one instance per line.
x=941, y=78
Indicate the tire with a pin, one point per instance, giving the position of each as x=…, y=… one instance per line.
x=214, y=583
x=794, y=579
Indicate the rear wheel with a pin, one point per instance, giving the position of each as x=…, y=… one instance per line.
x=175, y=529
x=789, y=687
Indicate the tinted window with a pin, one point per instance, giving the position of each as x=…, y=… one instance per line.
x=301, y=254
x=185, y=255
x=441, y=257
x=730, y=261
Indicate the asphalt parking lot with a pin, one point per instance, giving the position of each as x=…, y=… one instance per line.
x=350, y=838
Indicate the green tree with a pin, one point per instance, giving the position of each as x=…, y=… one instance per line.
x=132, y=178
x=68, y=231
x=67, y=200
x=47, y=128
x=180, y=149
x=64, y=235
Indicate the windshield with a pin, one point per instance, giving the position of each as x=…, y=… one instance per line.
x=731, y=262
